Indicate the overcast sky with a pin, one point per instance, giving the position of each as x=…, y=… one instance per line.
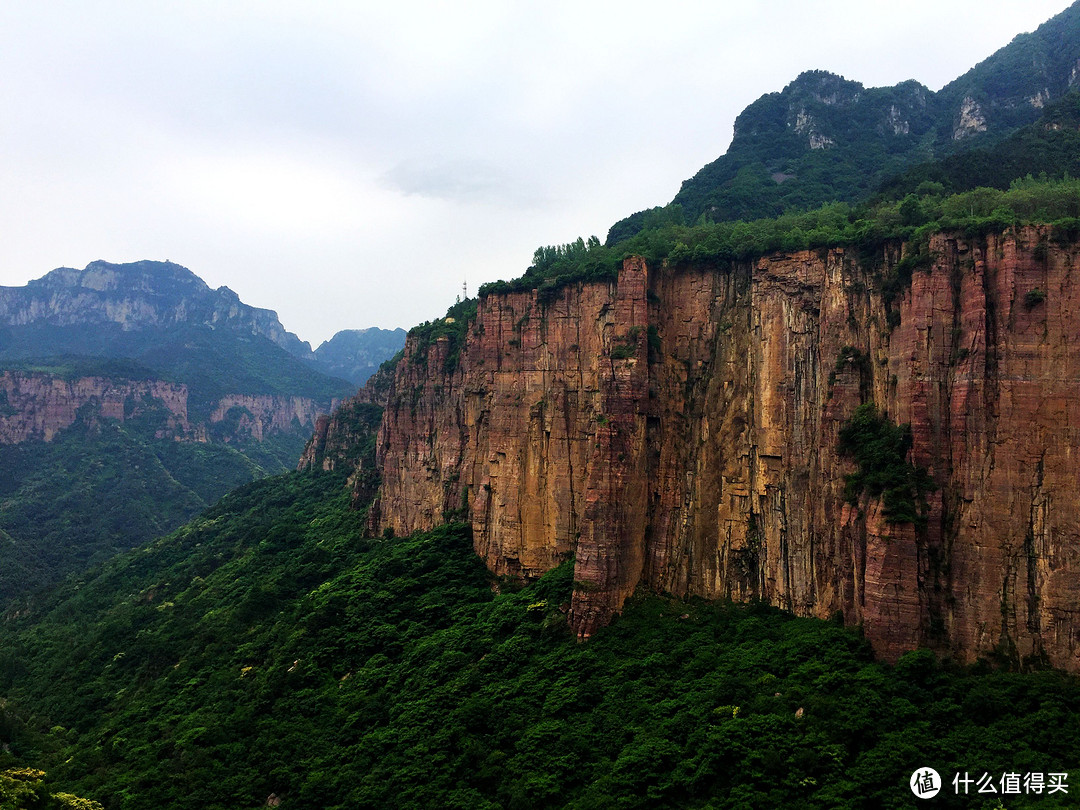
x=349, y=164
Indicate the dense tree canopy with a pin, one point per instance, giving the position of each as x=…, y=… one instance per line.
x=269, y=648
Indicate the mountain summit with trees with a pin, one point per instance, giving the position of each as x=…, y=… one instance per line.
x=824, y=138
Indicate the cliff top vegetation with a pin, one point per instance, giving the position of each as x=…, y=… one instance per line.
x=912, y=218
x=1025, y=178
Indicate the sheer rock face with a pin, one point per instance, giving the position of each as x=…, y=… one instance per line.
x=262, y=415
x=38, y=406
x=336, y=442
x=678, y=430
x=343, y=441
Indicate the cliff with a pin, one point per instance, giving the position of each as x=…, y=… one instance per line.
x=257, y=416
x=39, y=405
x=678, y=430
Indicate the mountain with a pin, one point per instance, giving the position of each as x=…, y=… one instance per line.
x=1006, y=90
x=356, y=354
x=806, y=485
x=165, y=318
x=679, y=430
x=825, y=138
x=120, y=310
x=95, y=310
x=132, y=396
x=831, y=410
x=1049, y=146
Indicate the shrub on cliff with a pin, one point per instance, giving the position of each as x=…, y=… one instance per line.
x=453, y=326
x=880, y=448
x=1034, y=297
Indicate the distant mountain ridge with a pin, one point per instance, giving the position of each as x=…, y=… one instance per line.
x=110, y=310
x=825, y=138
x=136, y=295
x=356, y=354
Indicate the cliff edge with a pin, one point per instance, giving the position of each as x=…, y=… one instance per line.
x=678, y=430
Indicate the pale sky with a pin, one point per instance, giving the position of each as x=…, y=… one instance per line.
x=349, y=164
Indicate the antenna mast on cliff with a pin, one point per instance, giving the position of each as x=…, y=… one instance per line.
x=464, y=289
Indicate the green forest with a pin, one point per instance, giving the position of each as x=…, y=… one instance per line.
x=268, y=648
x=101, y=487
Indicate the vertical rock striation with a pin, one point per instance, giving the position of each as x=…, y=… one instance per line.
x=35, y=405
x=257, y=416
x=677, y=429
x=38, y=406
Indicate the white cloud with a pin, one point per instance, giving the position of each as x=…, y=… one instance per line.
x=348, y=163
x=458, y=179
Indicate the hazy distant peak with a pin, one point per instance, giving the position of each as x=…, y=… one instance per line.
x=141, y=276
x=348, y=334
x=228, y=292
x=356, y=354
x=138, y=295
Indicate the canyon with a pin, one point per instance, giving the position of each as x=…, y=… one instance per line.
x=677, y=430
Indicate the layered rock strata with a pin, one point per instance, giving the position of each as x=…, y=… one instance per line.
x=260, y=415
x=38, y=406
x=677, y=429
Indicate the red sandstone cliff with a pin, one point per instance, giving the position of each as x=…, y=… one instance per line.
x=706, y=463
x=38, y=406
x=262, y=415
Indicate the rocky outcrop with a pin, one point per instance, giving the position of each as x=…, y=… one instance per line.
x=37, y=405
x=346, y=441
x=341, y=441
x=969, y=120
x=134, y=296
x=677, y=429
x=256, y=416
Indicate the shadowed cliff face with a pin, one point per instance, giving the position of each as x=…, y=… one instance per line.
x=678, y=430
